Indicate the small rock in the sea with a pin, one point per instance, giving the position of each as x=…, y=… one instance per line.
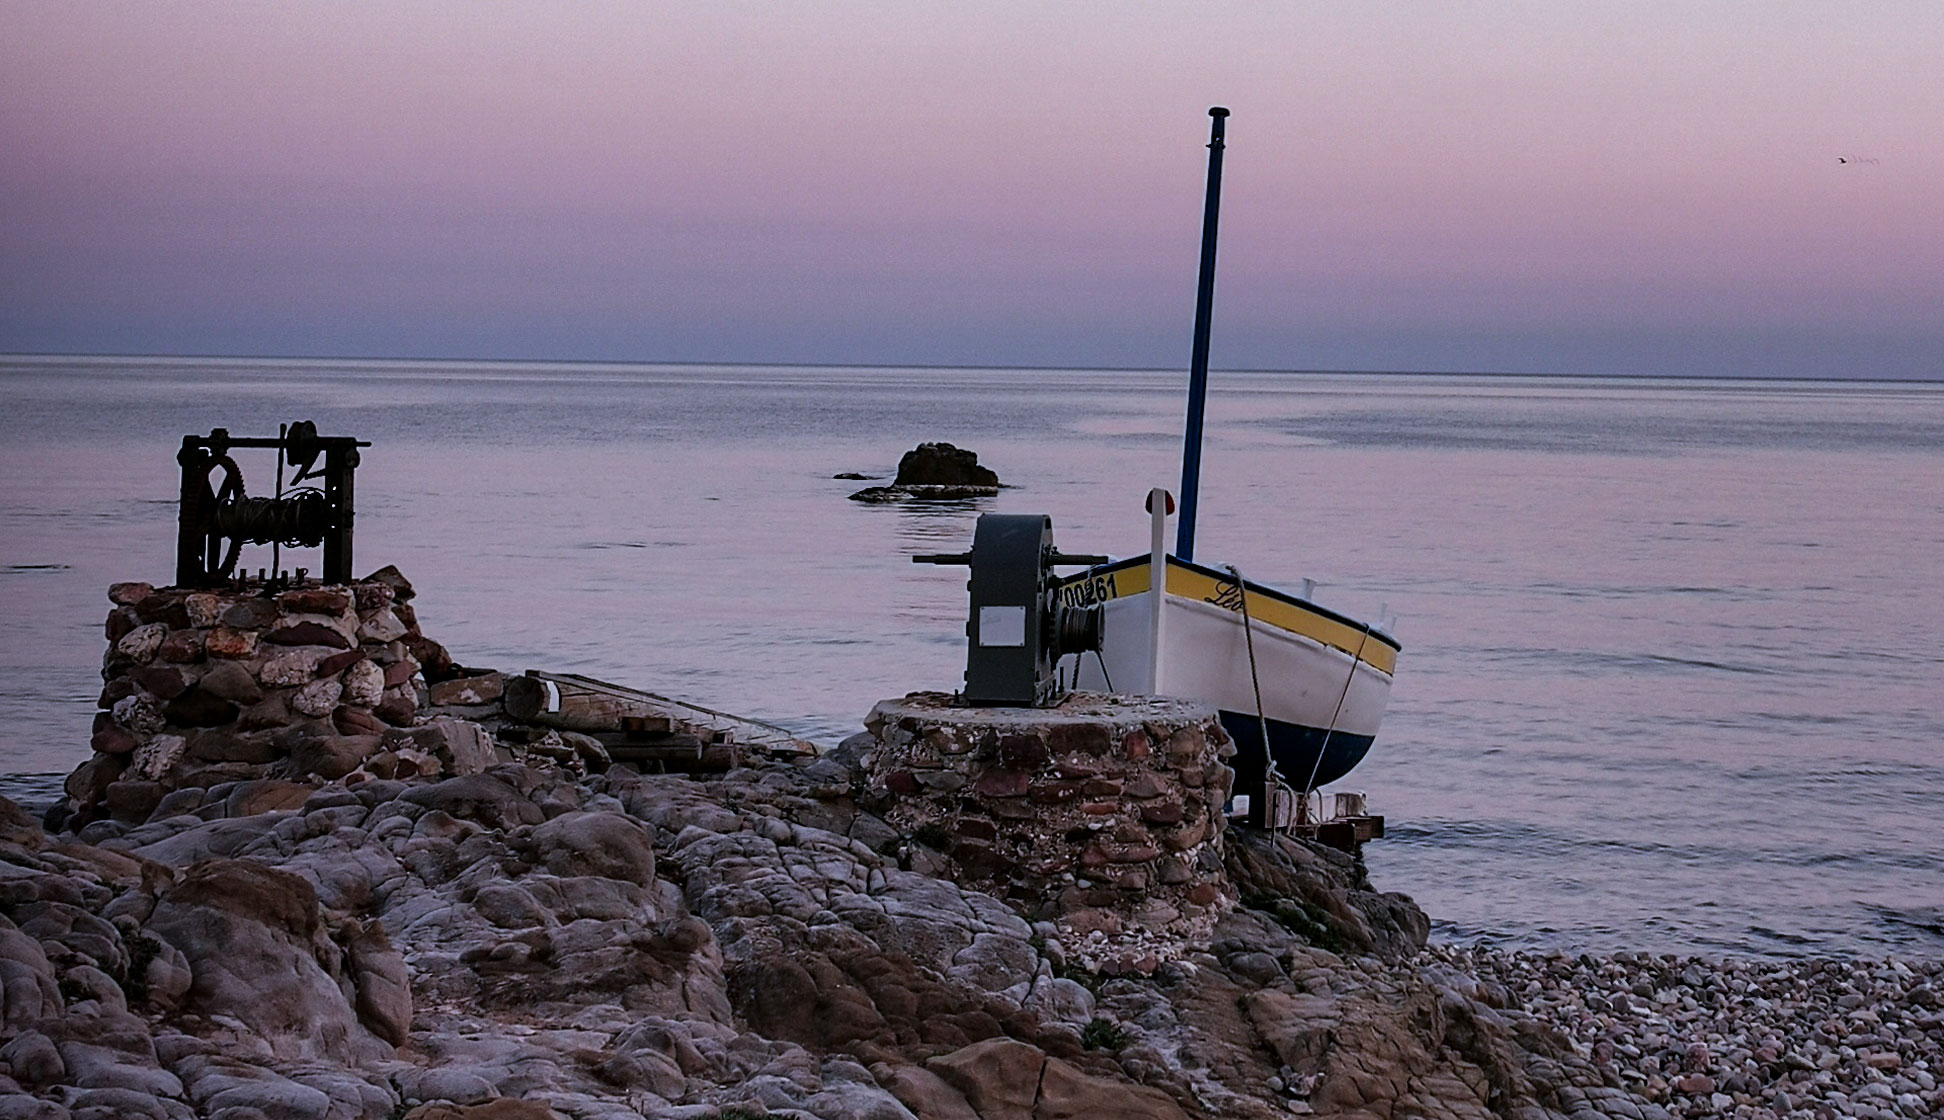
x=942, y=464
x=934, y=471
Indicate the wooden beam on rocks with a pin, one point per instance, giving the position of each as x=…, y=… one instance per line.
x=625, y=718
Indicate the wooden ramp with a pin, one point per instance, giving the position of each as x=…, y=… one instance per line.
x=644, y=729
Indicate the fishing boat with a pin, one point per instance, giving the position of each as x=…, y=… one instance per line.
x=1309, y=680
x=1300, y=688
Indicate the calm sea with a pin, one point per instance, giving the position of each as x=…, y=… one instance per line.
x=1672, y=676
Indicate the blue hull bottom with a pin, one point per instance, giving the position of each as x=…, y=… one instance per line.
x=1295, y=748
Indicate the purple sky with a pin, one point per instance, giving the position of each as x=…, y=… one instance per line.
x=1548, y=187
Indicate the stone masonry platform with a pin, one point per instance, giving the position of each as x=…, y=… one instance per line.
x=1101, y=815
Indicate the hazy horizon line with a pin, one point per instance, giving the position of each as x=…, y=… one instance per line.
x=941, y=366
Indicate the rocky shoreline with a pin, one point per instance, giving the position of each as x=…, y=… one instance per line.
x=528, y=943
x=382, y=899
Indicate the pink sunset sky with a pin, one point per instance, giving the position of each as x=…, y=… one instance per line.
x=1648, y=188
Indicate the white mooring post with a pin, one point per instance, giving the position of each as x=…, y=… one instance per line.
x=1160, y=504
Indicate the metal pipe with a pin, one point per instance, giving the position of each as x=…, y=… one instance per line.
x=1158, y=502
x=283, y=452
x=1198, y=364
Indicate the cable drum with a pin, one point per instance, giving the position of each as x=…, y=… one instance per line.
x=216, y=516
x=1078, y=630
x=299, y=519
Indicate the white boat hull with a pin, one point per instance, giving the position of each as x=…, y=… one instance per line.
x=1324, y=678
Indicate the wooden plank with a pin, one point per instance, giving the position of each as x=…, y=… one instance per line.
x=577, y=703
x=1349, y=833
x=749, y=730
x=645, y=740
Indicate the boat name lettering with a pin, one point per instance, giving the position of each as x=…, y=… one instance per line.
x=1088, y=591
x=1228, y=596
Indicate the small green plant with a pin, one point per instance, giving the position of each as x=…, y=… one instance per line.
x=1302, y=918
x=1099, y=1034
x=1079, y=975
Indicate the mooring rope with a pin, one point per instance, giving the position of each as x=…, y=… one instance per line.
x=300, y=518
x=1356, y=659
x=1270, y=772
x=1103, y=668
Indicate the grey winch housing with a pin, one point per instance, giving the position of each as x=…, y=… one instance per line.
x=1017, y=629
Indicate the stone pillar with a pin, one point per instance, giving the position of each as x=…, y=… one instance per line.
x=207, y=686
x=1101, y=815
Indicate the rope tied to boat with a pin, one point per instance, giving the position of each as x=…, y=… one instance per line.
x=1356, y=659
x=1269, y=757
x=1255, y=681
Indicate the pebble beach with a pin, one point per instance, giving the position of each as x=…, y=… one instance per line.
x=1736, y=1037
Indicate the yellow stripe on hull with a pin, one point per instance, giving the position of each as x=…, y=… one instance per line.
x=1090, y=588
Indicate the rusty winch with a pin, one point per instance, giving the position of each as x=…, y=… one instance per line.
x=218, y=516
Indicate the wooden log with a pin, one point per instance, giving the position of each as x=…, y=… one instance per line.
x=577, y=703
x=572, y=707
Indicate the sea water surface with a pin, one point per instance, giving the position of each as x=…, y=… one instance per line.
x=1672, y=675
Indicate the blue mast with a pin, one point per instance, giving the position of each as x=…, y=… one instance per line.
x=1198, y=364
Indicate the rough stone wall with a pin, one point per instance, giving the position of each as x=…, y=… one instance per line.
x=1101, y=815
x=203, y=687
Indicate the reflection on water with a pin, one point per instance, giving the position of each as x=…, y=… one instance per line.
x=1669, y=677
x=940, y=526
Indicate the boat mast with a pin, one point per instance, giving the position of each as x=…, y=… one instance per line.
x=1198, y=364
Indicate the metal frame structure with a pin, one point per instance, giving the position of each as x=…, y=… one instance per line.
x=213, y=522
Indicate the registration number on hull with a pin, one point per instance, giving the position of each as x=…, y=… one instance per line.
x=1088, y=591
